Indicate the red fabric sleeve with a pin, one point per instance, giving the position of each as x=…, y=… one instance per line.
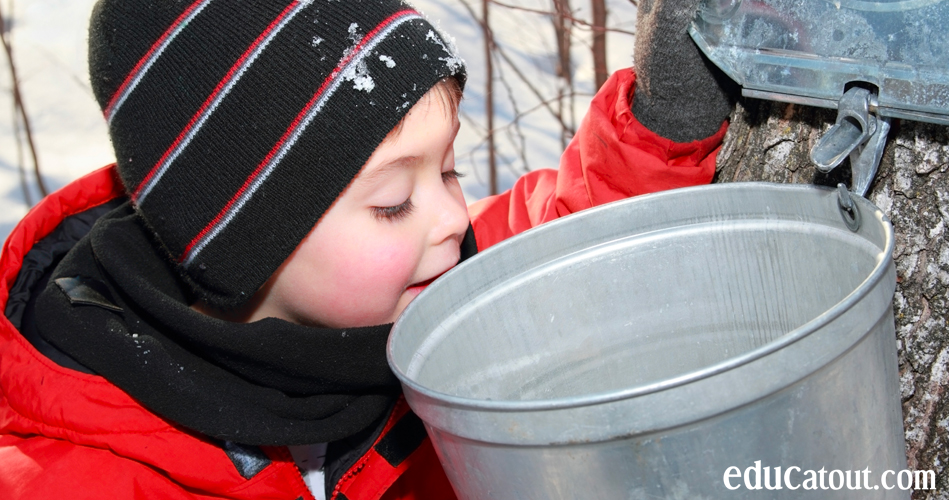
x=611, y=157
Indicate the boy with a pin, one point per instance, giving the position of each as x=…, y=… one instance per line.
x=207, y=318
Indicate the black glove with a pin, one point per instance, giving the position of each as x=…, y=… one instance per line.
x=680, y=94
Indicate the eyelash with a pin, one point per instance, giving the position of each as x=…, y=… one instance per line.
x=394, y=214
x=452, y=174
x=404, y=209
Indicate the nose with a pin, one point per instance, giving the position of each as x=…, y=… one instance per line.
x=451, y=215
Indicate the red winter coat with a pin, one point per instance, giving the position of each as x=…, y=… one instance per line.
x=66, y=434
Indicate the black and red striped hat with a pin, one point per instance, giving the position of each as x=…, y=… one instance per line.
x=237, y=123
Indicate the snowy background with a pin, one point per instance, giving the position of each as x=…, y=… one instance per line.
x=48, y=38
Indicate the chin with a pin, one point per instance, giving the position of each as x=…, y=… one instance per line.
x=407, y=297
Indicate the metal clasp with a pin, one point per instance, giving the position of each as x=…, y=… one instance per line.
x=858, y=132
x=848, y=209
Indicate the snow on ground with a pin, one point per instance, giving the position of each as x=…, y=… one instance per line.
x=49, y=40
x=70, y=135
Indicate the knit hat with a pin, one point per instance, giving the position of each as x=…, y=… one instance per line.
x=237, y=123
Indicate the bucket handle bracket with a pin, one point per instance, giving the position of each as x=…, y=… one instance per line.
x=848, y=209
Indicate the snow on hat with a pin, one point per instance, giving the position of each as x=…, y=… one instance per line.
x=237, y=123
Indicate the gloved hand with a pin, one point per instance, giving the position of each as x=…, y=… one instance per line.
x=680, y=94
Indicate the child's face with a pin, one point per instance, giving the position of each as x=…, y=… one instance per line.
x=395, y=228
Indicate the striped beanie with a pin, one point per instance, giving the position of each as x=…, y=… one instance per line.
x=237, y=123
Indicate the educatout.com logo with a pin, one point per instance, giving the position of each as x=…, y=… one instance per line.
x=757, y=477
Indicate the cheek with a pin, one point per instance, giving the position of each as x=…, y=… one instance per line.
x=365, y=280
x=380, y=265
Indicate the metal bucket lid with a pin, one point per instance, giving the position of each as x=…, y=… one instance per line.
x=644, y=314
x=809, y=52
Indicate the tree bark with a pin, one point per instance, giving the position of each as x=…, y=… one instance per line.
x=489, y=96
x=770, y=141
x=563, y=26
x=600, y=72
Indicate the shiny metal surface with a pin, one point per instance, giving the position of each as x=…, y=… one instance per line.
x=814, y=51
x=859, y=134
x=640, y=349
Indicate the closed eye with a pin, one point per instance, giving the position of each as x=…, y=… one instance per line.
x=394, y=213
x=451, y=175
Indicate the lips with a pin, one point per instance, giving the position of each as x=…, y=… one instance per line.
x=422, y=284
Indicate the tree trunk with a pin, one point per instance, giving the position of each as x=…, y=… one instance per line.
x=770, y=141
x=600, y=72
x=563, y=25
x=489, y=96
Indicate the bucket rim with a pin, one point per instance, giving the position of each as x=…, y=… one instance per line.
x=873, y=278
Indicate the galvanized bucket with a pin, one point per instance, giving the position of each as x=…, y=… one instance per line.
x=650, y=347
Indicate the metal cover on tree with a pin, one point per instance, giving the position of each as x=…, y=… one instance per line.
x=812, y=51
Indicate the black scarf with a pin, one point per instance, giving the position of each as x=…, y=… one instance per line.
x=270, y=382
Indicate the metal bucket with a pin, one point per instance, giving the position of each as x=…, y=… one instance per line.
x=643, y=348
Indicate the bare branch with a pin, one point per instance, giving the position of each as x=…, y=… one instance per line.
x=599, y=42
x=569, y=17
x=489, y=95
x=21, y=169
x=517, y=118
x=562, y=33
x=515, y=134
x=517, y=71
x=18, y=140
x=18, y=103
x=545, y=102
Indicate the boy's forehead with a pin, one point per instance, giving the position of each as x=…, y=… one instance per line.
x=439, y=96
x=372, y=173
x=402, y=148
